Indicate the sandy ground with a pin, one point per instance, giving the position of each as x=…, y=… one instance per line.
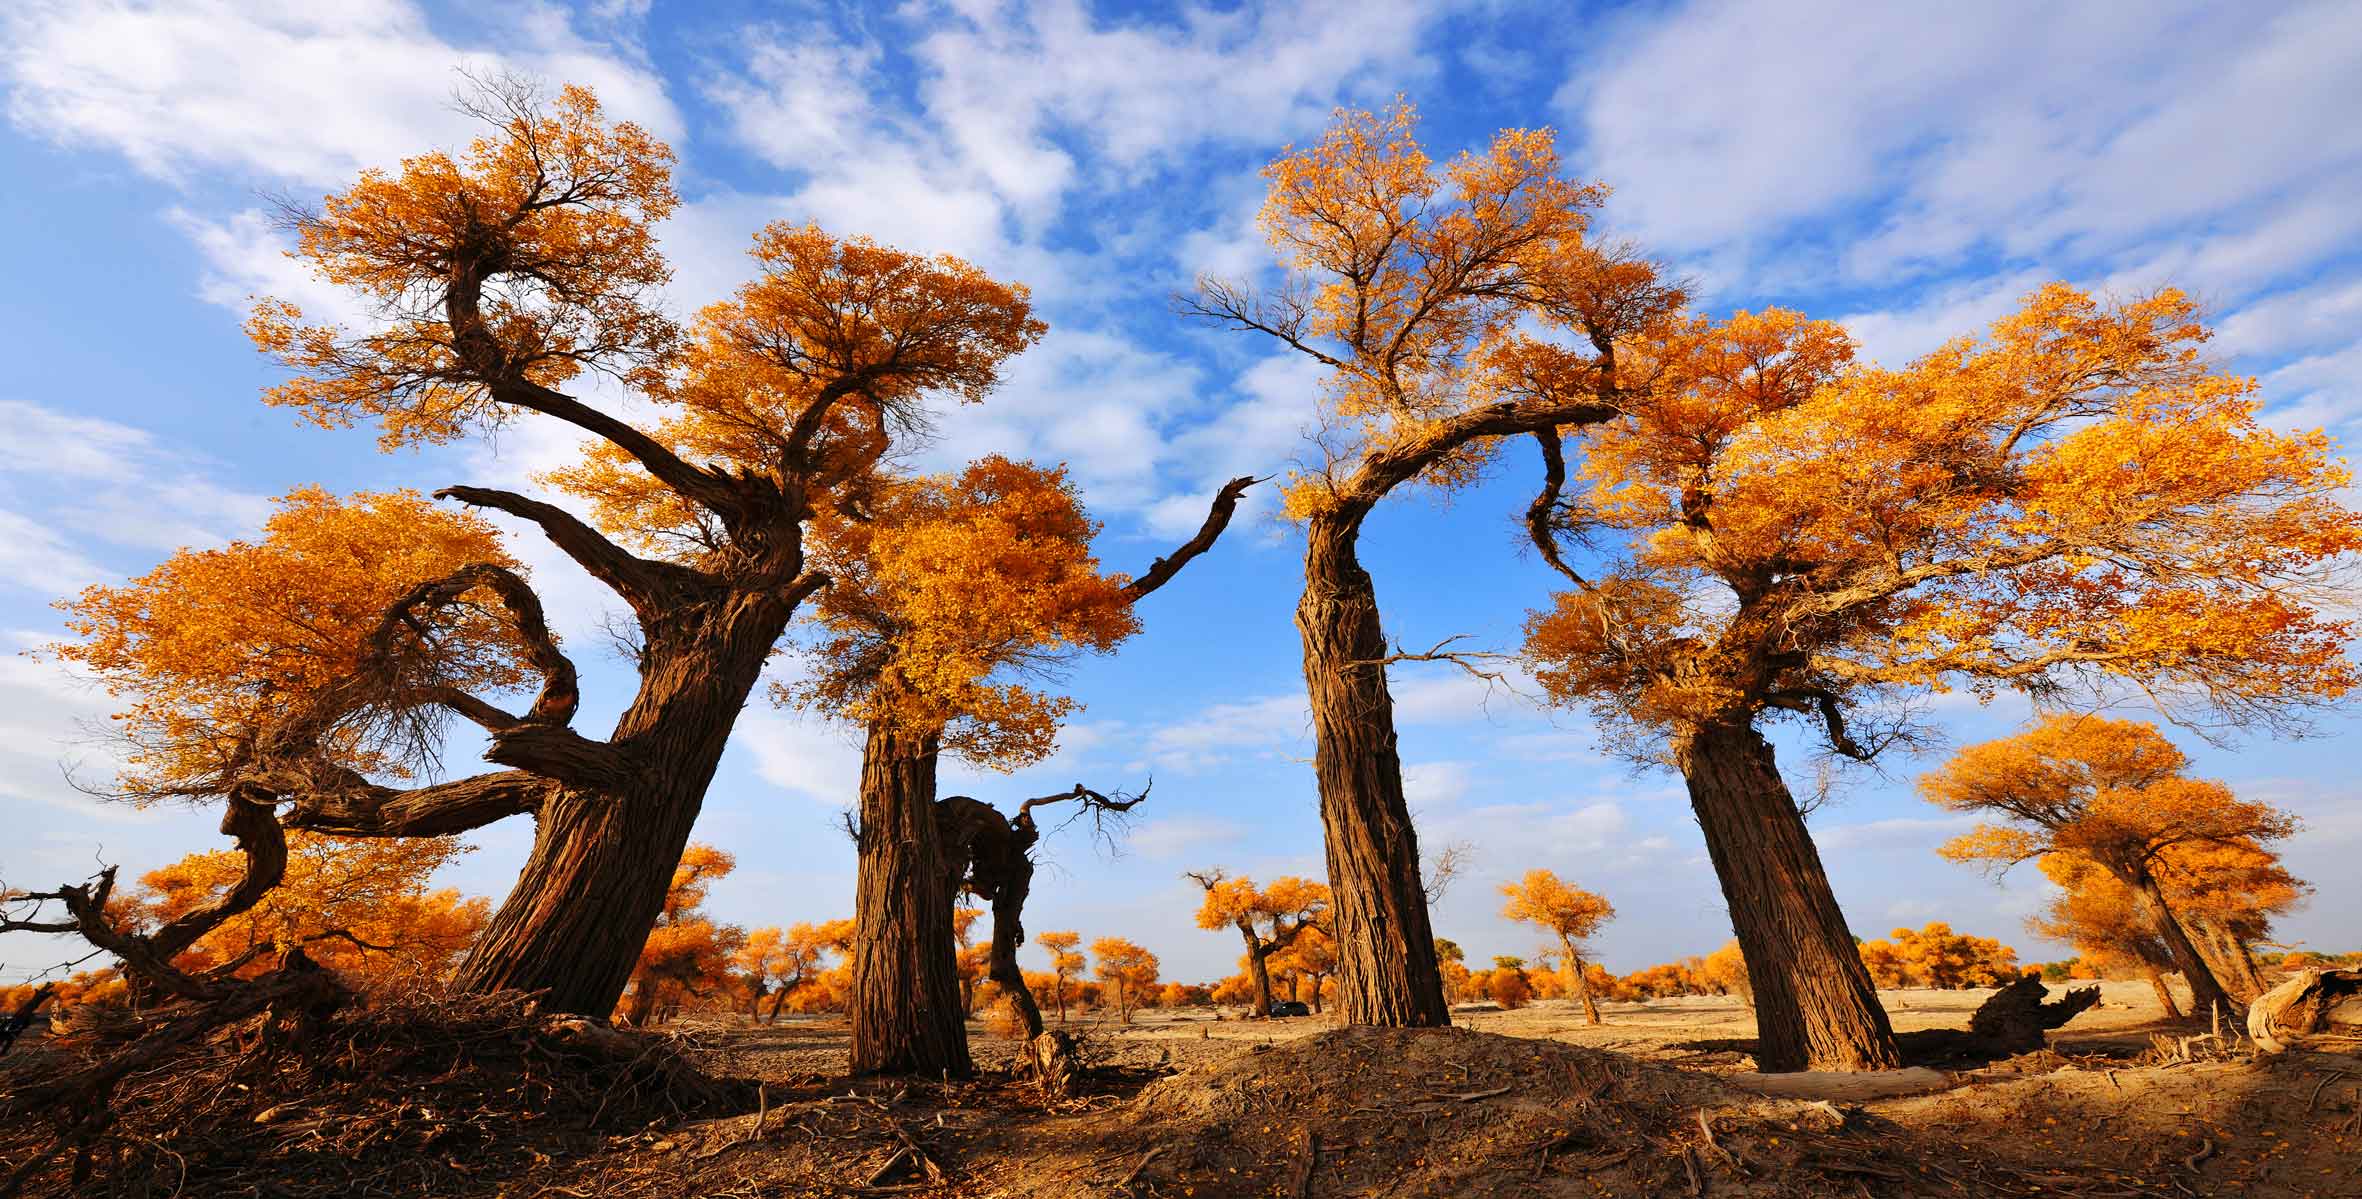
x=1658, y=1100
x=1690, y=1031
x=1297, y=1108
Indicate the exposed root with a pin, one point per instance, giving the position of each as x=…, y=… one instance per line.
x=420, y=1094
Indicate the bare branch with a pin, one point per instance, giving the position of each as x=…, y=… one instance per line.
x=1217, y=519
x=1448, y=864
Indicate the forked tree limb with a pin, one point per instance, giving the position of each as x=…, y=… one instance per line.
x=644, y=583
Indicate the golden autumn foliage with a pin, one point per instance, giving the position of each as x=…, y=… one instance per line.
x=687, y=955
x=361, y=907
x=491, y=278
x=1307, y=962
x=790, y=967
x=1685, y=977
x=207, y=648
x=1402, y=275
x=2109, y=790
x=1935, y=956
x=1567, y=912
x=2189, y=852
x=1272, y=914
x=568, y=198
x=1065, y=965
x=1128, y=971
x=947, y=585
x=1559, y=908
x=765, y=374
x=1725, y=971
x=2078, y=500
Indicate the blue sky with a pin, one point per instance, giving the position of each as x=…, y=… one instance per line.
x=1907, y=170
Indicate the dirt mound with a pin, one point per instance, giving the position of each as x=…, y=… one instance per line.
x=421, y=1094
x=1439, y=1112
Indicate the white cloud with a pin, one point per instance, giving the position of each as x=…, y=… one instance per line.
x=1920, y=138
x=1936, y=316
x=1898, y=832
x=179, y=87
x=35, y=558
x=1447, y=695
x=2322, y=314
x=1262, y=725
x=818, y=760
x=67, y=480
x=2319, y=390
x=1170, y=837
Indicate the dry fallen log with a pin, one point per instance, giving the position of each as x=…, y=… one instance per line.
x=2013, y=1020
x=2309, y=1005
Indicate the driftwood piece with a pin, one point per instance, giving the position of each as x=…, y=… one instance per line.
x=2013, y=1020
x=2309, y=1003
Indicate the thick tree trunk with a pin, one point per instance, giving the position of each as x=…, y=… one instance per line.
x=1259, y=969
x=2227, y=956
x=905, y=1006
x=2206, y=993
x=778, y=1001
x=602, y=860
x=2156, y=979
x=591, y=889
x=1815, y=1006
x=1386, y=968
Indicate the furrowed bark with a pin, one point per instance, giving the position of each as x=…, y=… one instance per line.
x=905, y=1005
x=2206, y=992
x=2227, y=956
x=1259, y=968
x=603, y=858
x=1386, y=969
x=1815, y=1006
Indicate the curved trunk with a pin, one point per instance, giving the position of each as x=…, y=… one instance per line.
x=1386, y=968
x=603, y=858
x=1815, y=1007
x=1008, y=932
x=2206, y=993
x=905, y=1005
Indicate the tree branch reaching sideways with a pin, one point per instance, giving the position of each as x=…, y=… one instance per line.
x=1217, y=519
x=642, y=582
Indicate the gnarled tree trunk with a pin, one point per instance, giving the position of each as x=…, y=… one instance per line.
x=2206, y=993
x=1815, y=1006
x=603, y=859
x=1386, y=968
x=2227, y=956
x=905, y=1005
